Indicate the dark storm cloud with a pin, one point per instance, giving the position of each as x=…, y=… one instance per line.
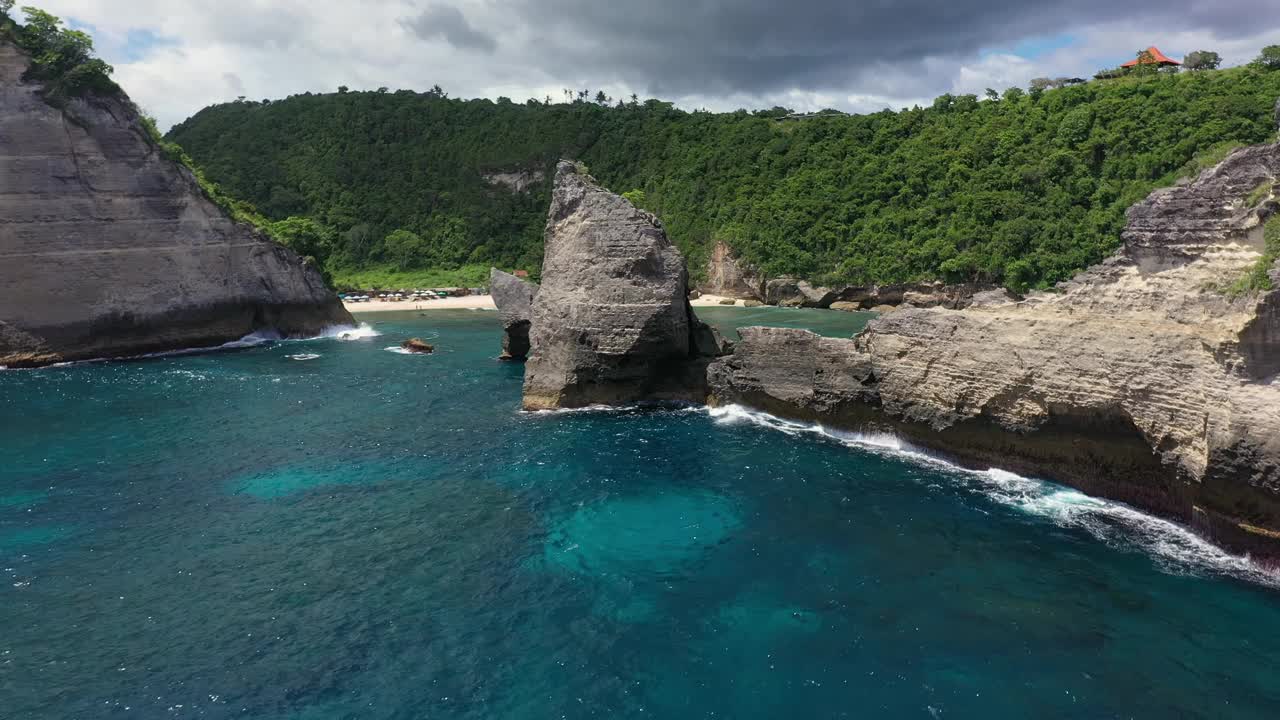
x=448, y=23
x=761, y=46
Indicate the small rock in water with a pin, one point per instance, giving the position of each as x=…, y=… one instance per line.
x=752, y=303
x=417, y=345
x=728, y=301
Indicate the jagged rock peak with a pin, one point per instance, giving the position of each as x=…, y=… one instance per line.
x=611, y=323
x=514, y=298
x=111, y=249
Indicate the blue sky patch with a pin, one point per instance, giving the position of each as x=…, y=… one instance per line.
x=1034, y=47
x=140, y=42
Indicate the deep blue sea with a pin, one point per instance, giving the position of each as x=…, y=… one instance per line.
x=327, y=529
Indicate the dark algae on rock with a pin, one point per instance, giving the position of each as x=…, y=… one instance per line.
x=109, y=248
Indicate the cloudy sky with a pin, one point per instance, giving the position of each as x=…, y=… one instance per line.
x=176, y=56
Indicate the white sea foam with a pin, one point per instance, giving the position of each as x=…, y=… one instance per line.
x=872, y=441
x=363, y=331
x=253, y=339
x=1174, y=547
x=303, y=356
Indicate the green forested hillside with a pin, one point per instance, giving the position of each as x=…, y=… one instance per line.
x=1022, y=188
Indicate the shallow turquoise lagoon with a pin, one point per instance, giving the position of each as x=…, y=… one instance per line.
x=326, y=529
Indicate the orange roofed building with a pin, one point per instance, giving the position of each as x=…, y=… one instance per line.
x=1151, y=56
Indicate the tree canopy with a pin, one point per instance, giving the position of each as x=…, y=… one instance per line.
x=1202, y=60
x=1023, y=188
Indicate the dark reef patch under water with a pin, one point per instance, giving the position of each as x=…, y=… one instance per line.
x=374, y=535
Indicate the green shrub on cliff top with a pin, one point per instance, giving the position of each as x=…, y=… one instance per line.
x=62, y=58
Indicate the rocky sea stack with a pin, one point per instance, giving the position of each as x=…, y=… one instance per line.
x=514, y=298
x=611, y=323
x=1150, y=378
x=111, y=249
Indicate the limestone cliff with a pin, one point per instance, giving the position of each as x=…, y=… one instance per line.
x=611, y=323
x=517, y=181
x=729, y=277
x=514, y=299
x=1141, y=379
x=107, y=248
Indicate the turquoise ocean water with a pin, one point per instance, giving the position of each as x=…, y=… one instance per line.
x=328, y=529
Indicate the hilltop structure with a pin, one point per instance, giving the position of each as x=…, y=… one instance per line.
x=1151, y=56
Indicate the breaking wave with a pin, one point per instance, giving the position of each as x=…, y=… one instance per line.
x=1175, y=548
x=253, y=339
x=363, y=331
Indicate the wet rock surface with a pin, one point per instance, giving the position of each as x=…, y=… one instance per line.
x=418, y=345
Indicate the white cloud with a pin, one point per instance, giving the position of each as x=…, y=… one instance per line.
x=214, y=51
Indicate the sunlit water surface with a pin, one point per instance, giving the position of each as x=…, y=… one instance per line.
x=327, y=529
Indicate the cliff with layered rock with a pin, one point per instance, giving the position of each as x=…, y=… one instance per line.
x=1150, y=378
x=108, y=248
x=611, y=323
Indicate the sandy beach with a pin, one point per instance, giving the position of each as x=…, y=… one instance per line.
x=468, y=302
x=709, y=300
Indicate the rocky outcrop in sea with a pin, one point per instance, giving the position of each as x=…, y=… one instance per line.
x=611, y=323
x=111, y=249
x=514, y=299
x=1144, y=379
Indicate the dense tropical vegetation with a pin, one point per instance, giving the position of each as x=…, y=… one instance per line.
x=1022, y=187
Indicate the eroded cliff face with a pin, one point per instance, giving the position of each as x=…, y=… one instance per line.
x=107, y=248
x=729, y=277
x=1141, y=379
x=611, y=323
x=517, y=181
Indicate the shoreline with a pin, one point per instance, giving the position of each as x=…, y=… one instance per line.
x=481, y=302
x=466, y=302
x=714, y=301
